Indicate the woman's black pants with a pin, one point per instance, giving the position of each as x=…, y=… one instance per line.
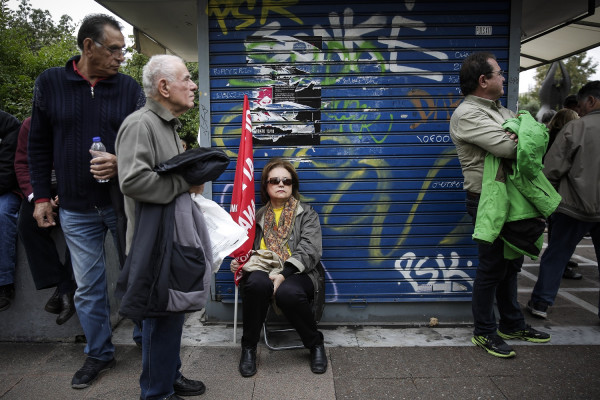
x=293, y=297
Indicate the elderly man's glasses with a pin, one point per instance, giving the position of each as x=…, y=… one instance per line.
x=114, y=51
x=499, y=73
x=275, y=181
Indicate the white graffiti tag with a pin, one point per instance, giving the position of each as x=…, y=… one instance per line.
x=446, y=278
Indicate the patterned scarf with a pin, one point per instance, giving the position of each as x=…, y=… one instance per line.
x=276, y=236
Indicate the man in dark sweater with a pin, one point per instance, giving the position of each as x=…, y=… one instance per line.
x=73, y=104
x=9, y=207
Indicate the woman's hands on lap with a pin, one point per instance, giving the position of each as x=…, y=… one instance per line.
x=277, y=280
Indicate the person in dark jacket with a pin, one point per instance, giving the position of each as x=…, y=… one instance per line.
x=46, y=268
x=147, y=138
x=86, y=98
x=283, y=266
x=555, y=125
x=572, y=165
x=9, y=207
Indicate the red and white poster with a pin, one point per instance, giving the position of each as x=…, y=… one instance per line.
x=242, y=201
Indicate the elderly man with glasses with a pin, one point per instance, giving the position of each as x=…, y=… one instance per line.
x=72, y=105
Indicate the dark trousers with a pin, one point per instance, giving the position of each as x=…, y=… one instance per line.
x=44, y=262
x=293, y=297
x=568, y=232
x=161, y=343
x=495, y=279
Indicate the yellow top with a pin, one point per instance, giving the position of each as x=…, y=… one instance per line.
x=277, y=211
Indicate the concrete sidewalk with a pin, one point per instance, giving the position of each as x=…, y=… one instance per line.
x=44, y=371
x=365, y=362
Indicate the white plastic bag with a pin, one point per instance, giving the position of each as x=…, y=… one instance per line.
x=225, y=235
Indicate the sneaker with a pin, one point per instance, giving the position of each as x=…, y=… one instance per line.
x=528, y=334
x=90, y=371
x=494, y=345
x=538, y=309
x=7, y=293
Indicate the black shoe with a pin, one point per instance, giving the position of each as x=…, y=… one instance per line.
x=53, y=305
x=248, y=361
x=90, y=371
x=171, y=397
x=187, y=387
x=318, y=359
x=7, y=293
x=539, y=309
x=68, y=308
x=572, y=264
x=571, y=274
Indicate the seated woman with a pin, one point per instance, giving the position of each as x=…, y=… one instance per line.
x=288, y=245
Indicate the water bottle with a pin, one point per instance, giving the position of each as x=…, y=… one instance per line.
x=97, y=145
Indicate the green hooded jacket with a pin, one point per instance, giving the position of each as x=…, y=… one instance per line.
x=516, y=194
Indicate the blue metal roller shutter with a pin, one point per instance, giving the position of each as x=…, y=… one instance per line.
x=360, y=100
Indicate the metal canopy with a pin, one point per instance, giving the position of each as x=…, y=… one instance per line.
x=550, y=30
x=554, y=29
x=160, y=26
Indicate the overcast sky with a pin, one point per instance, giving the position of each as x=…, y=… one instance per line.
x=80, y=8
x=75, y=9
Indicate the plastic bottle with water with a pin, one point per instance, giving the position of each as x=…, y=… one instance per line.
x=97, y=145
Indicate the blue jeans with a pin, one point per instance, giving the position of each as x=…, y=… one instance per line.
x=85, y=232
x=567, y=232
x=9, y=210
x=161, y=343
x=495, y=279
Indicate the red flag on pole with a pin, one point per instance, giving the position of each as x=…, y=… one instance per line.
x=242, y=201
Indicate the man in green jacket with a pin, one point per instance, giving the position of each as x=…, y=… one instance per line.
x=476, y=130
x=572, y=165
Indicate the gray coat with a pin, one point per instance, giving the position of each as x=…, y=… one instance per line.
x=572, y=165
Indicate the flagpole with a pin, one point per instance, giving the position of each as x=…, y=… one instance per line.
x=235, y=310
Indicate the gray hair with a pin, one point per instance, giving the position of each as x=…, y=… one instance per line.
x=158, y=67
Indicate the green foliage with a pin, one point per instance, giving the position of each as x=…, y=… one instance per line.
x=30, y=42
x=530, y=102
x=579, y=68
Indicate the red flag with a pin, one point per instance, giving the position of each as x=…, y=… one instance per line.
x=242, y=201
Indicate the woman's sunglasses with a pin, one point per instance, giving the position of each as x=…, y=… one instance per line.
x=275, y=181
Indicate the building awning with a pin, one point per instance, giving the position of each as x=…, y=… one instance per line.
x=550, y=29
x=160, y=26
x=554, y=29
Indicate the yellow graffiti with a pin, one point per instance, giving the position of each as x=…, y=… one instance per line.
x=374, y=214
x=375, y=251
x=219, y=130
x=462, y=228
x=278, y=6
x=222, y=9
